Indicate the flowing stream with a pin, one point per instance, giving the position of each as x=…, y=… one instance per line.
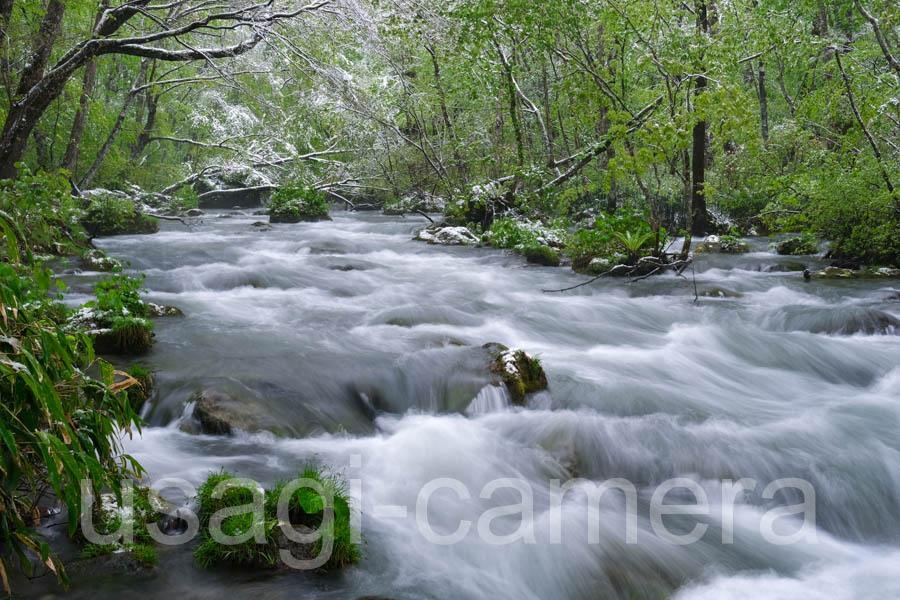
x=356, y=342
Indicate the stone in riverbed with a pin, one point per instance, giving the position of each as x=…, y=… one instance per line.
x=521, y=373
x=717, y=292
x=163, y=310
x=542, y=255
x=97, y=260
x=447, y=235
x=834, y=273
x=218, y=412
x=193, y=212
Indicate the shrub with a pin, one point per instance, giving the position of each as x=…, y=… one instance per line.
x=59, y=425
x=803, y=244
x=294, y=203
x=41, y=215
x=108, y=213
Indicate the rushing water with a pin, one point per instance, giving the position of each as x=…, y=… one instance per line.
x=352, y=338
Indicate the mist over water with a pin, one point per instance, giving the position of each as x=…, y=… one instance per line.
x=356, y=341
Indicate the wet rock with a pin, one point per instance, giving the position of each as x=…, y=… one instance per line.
x=712, y=243
x=781, y=268
x=522, y=374
x=172, y=524
x=834, y=273
x=163, y=310
x=297, y=218
x=834, y=320
x=224, y=216
x=726, y=244
x=219, y=412
x=447, y=235
x=342, y=267
x=193, y=212
x=885, y=272
x=260, y=226
x=717, y=292
x=122, y=563
x=542, y=255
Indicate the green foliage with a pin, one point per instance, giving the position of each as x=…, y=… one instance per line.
x=120, y=295
x=58, y=425
x=633, y=241
x=109, y=213
x=145, y=554
x=295, y=202
x=626, y=229
x=38, y=214
x=542, y=255
x=799, y=245
x=95, y=550
x=305, y=507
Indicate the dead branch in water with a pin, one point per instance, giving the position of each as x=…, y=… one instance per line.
x=656, y=262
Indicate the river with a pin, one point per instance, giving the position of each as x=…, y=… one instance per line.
x=352, y=337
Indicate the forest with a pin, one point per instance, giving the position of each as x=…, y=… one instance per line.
x=186, y=181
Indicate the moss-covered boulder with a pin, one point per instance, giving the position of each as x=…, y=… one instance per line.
x=163, y=310
x=834, y=273
x=799, y=245
x=109, y=518
x=126, y=336
x=295, y=203
x=447, y=235
x=541, y=255
x=727, y=244
x=97, y=260
x=306, y=510
x=115, y=213
x=521, y=373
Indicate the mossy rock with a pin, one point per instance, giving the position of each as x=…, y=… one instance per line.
x=97, y=260
x=834, y=273
x=734, y=246
x=163, y=310
x=800, y=245
x=521, y=373
x=135, y=224
x=128, y=337
x=717, y=292
x=277, y=217
x=542, y=255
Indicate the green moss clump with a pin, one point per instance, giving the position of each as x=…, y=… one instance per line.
x=521, y=373
x=542, y=255
x=305, y=508
x=109, y=213
x=128, y=336
x=800, y=245
x=294, y=203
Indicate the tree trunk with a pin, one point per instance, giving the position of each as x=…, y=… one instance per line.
x=763, y=102
x=699, y=214
x=107, y=145
x=513, y=105
x=147, y=131
x=70, y=160
x=15, y=135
